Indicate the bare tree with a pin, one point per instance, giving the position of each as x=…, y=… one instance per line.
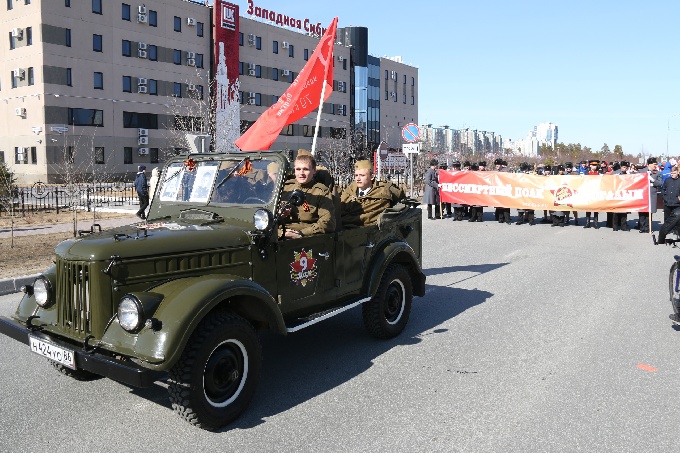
x=7, y=195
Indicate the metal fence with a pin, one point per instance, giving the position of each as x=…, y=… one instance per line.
x=41, y=197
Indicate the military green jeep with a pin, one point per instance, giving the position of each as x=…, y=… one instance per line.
x=183, y=294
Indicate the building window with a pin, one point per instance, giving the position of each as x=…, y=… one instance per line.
x=68, y=37
x=97, y=43
x=20, y=156
x=305, y=54
x=12, y=42
x=240, y=68
x=308, y=131
x=275, y=47
x=153, y=87
x=240, y=39
x=34, y=155
x=135, y=120
x=387, y=95
x=404, y=99
x=127, y=155
x=97, y=6
x=29, y=36
x=177, y=56
x=258, y=43
x=153, y=53
x=30, y=76
x=177, y=90
x=67, y=3
x=99, y=155
x=69, y=79
x=85, y=117
x=98, y=80
x=404, y=79
x=258, y=71
x=199, y=88
x=126, y=12
x=178, y=24
x=153, y=18
x=291, y=51
x=127, y=84
x=199, y=29
x=199, y=60
x=413, y=100
x=387, y=74
x=153, y=154
x=127, y=48
x=9, y=5
x=288, y=130
x=413, y=81
x=275, y=74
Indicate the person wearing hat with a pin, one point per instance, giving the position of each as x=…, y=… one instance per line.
x=569, y=169
x=445, y=206
x=620, y=219
x=458, y=209
x=655, y=181
x=317, y=214
x=476, y=211
x=142, y=188
x=594, y=171
x=501, y=214
x=365, y=199
x=525, y=215
x=431, y=195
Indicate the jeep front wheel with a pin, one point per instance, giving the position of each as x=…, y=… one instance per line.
x=386, y=315
x=215, y=378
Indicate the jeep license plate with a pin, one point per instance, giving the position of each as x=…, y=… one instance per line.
x=60, y=355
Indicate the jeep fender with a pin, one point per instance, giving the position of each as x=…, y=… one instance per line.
x=185, y=302
x=395, y=252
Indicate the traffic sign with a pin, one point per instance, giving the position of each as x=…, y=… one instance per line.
x=411, y=148
x=383, y=150
x=411, y=132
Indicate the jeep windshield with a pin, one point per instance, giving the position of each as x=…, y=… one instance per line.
x=232, y=181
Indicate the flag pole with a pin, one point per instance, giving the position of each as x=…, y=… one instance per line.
x=318, y=114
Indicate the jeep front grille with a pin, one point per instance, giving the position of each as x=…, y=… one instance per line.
x=73, y=295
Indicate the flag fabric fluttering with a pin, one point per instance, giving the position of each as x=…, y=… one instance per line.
x=301, y=98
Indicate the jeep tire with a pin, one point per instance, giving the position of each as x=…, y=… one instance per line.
x=215, y=378
x=386, y=314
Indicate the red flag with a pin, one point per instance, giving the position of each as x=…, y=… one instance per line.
x=302, y=97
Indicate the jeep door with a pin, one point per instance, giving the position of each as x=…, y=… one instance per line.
x=305, y=273
x=355, y=247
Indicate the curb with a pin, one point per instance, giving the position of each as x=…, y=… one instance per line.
x=13, y=284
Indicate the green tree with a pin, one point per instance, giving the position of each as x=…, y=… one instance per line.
x=7, y=189
x=618, y=151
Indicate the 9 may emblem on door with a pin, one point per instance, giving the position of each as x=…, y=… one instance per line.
x=303, y=269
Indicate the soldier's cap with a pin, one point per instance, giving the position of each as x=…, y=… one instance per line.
x=303, y=152
x=443, y=166
x=363, y=165
x=482, y=163
x=560, y=167
x=651, y=160
x=434, y=162
x=594, y=162
x=504, y=162
x=474, y=167
x=456, y=164
x=466, y=163
x=625, y=163
x=498, y=162
x=142, y=167
x=547, y=168
x=273, y=167
x=569, y=165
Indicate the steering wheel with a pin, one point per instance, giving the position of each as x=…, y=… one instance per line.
x=255, y=200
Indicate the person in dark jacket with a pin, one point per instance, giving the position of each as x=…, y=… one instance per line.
x=142, y=188
x=670, y=189
x=655, y=182
x=620, y=219
x=431, y=195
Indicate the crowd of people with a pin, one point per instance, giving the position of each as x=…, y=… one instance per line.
x=663, y=178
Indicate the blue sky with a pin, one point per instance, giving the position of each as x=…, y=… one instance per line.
x=604, y=71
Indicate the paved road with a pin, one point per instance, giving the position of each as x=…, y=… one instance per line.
x=529, y=339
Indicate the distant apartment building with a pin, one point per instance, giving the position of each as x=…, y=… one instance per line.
x=544, y=134
x=465, y=141
x=110, y=85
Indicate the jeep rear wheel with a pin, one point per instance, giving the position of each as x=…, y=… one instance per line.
x=386, y=315
x=215, y=378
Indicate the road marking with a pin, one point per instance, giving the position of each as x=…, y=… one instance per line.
x=644, y=367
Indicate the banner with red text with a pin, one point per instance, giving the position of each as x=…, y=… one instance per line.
x=611, y=193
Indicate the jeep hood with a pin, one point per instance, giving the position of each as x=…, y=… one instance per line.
x=161, y=238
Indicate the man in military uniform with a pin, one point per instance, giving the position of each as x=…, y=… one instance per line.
x=317, y=214
x=362, y=201
x=655, y=182
x=570, y=170
x=620, y=219
x=431, y=195
x=458, y=209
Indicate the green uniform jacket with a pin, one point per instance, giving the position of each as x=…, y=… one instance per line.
x=317, y=214
x=359, y=211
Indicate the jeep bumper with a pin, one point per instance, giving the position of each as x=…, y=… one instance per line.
x=125, y=372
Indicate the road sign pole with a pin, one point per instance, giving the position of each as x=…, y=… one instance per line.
x=410, y=179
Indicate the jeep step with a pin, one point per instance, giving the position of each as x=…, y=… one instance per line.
x=301, y=323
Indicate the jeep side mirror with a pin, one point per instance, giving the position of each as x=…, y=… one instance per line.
x=297, y=197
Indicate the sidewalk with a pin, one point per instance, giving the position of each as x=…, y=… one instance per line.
x=13, y=284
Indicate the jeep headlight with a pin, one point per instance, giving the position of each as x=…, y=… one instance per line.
x=130, y=313
x=42, y=291
x=263, y=219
